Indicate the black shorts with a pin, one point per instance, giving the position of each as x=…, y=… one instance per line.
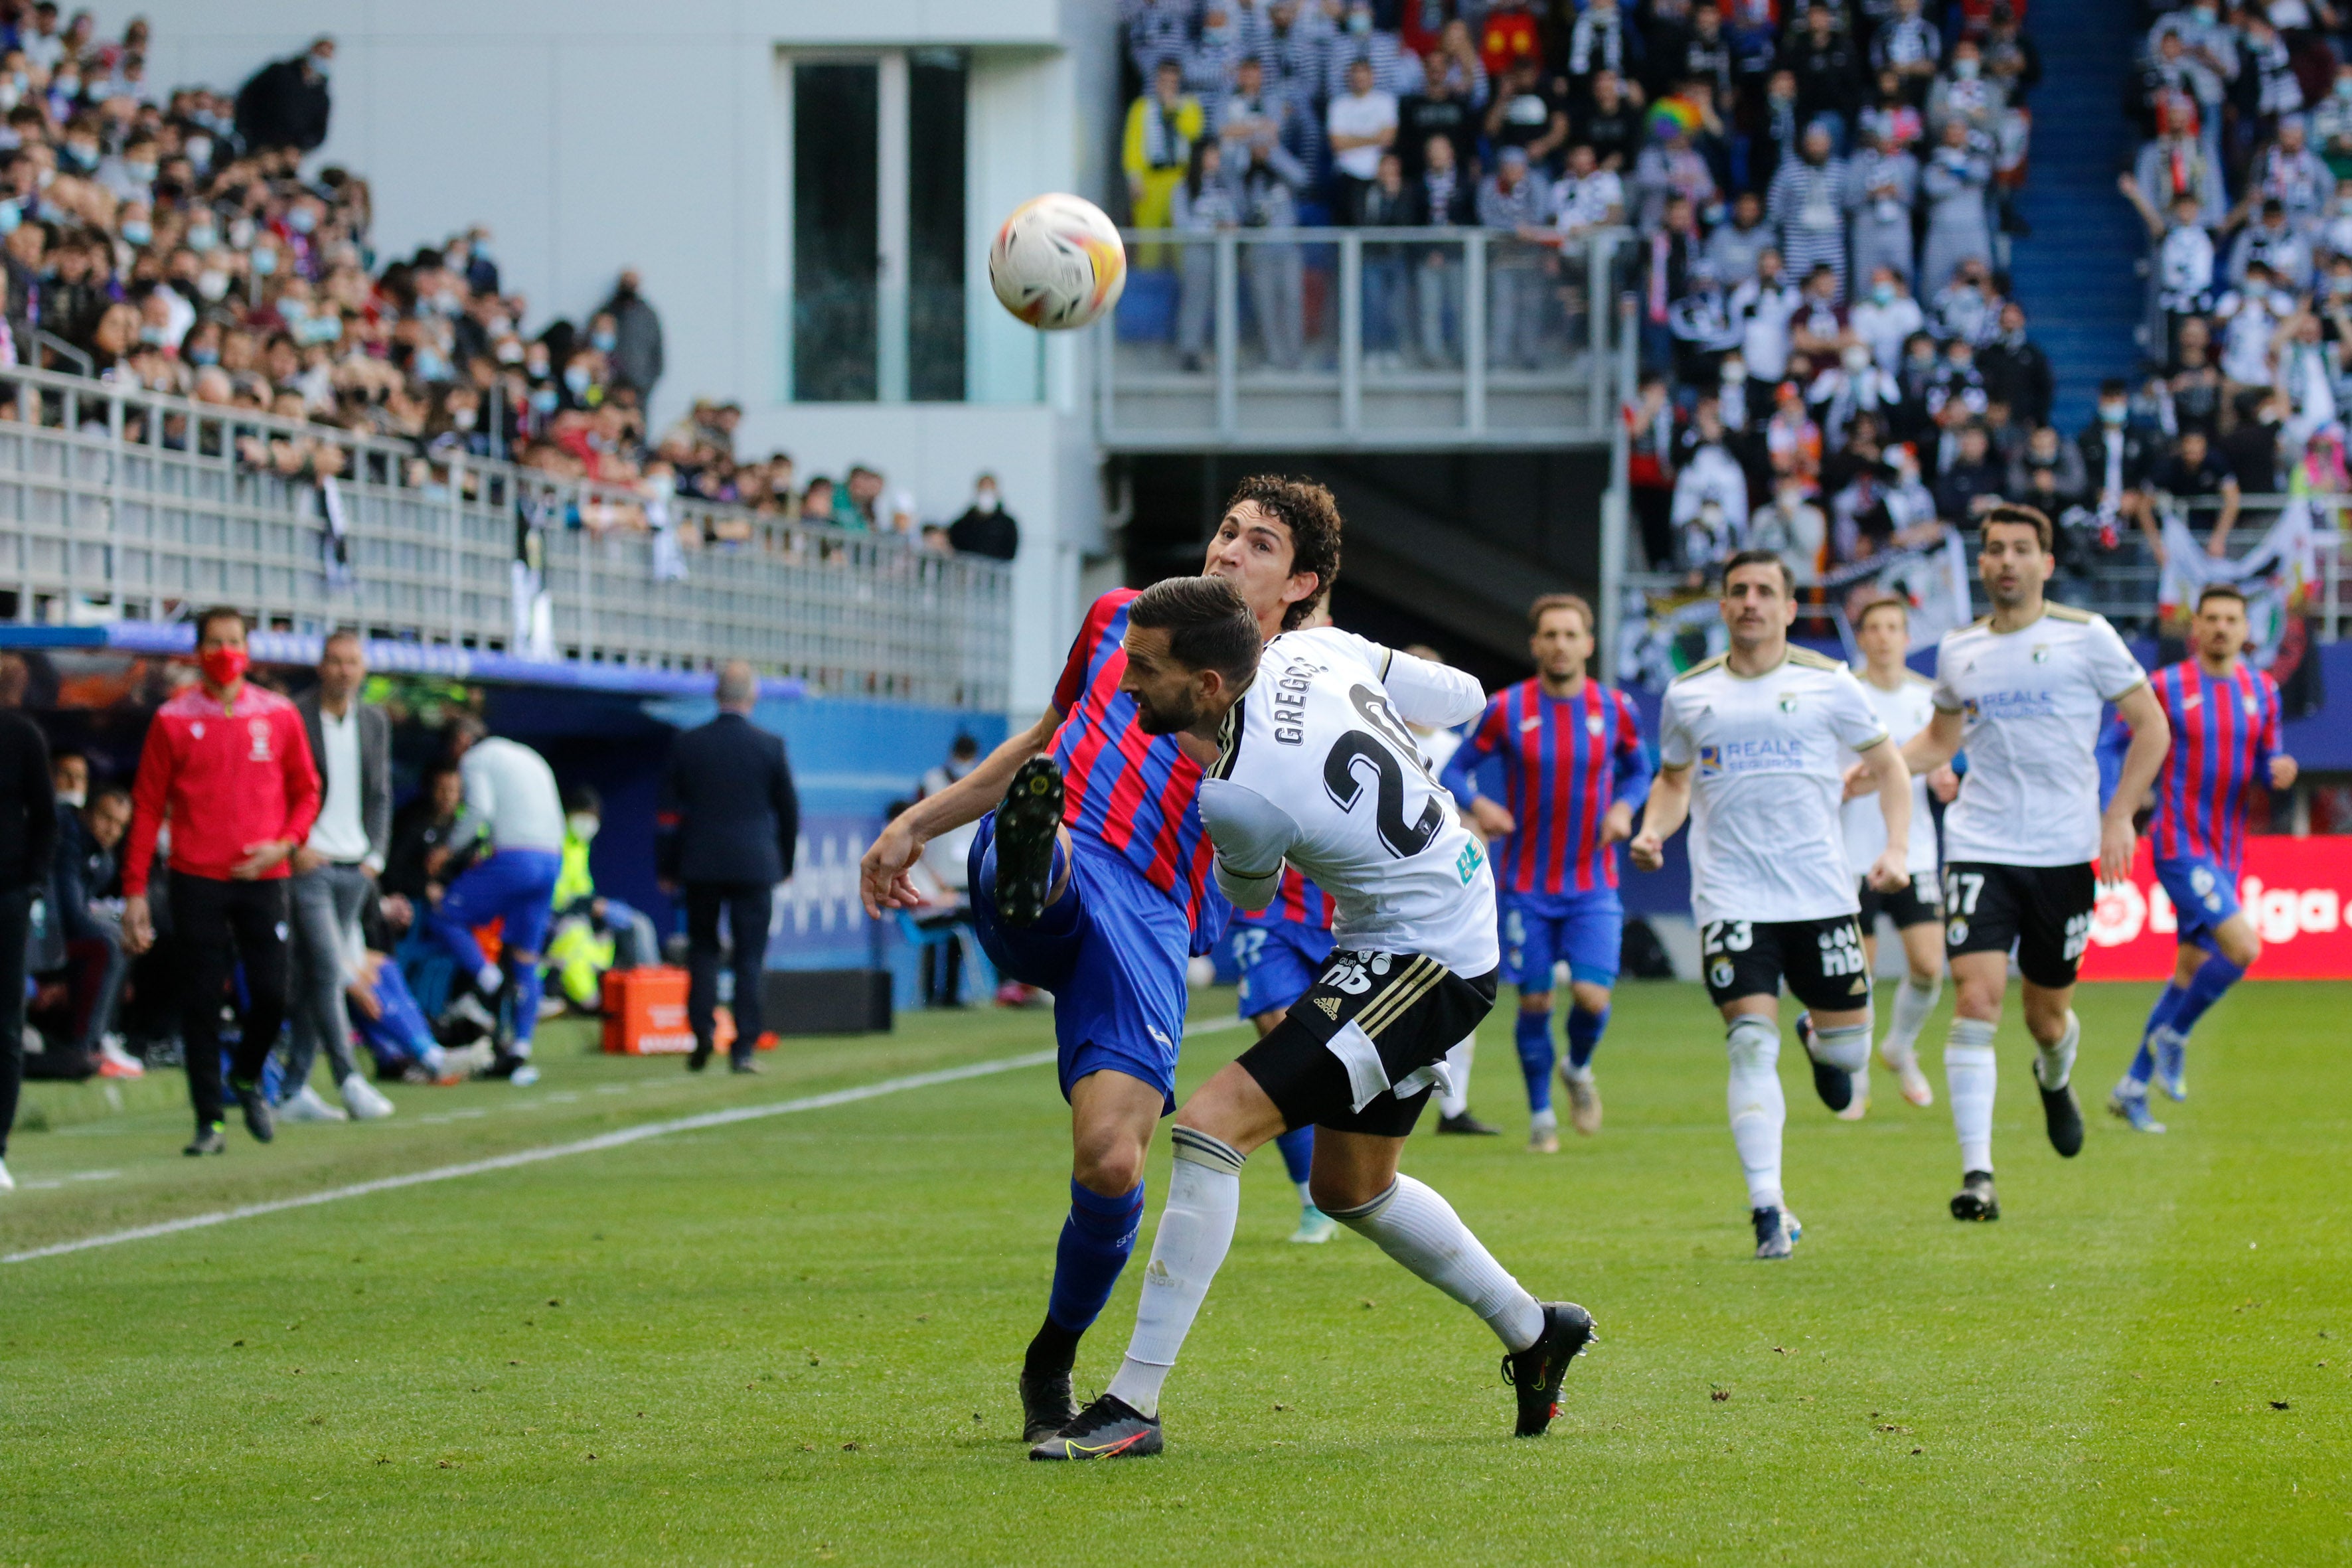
x=1821, y=960
x=2045, y=910
x=1368, y=1025
x=1914, y=904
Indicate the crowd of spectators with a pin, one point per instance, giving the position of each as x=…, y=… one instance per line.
x=1820, y=196
x=173, y=239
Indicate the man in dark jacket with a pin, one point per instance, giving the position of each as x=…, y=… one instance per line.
x=636, y=351
x=28, y=842
x=2016, y=370
x=726, y=831
x=285, y=103
x=985, y=528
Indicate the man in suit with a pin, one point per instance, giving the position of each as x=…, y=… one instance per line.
x=727, y=826
x=334, y=876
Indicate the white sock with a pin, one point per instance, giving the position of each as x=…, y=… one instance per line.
x=1306, y=1195
x=1547, y=1116
x=1756, y=1105
x=1913, y=1003
x=1846, y=1046
x=489, y=979
x=1970, y=1073
x=1457, y=1063
x=1196, y=1228
x=1412, y=1225
x=2054, y=1065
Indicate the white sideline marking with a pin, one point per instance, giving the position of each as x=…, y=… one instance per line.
x=603, y=1141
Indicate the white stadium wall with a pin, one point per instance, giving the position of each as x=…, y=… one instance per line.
x=591, y=135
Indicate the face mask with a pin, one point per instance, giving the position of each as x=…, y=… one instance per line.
x=1359, y=22
x=500, y=325
x=2204, y=15
x=76, y=798
x=138, y=234
x=199, y=150
x=983, y=500
x=1734, y=371
x=575, y=379
x=11, y=215
x=145, y=172
x=1966, y=69
x=1857, y=359
x=582, y=825
x=240, y=235
x=81, y=157
x=224, y=666
x=2111, y=412
x=265, y=262
x=65, y=87
x=603, y=342
x=152, y=335
x=320, y=66
x=1218, y=36
x=302, y=220
x=294, y=309
x=510, y=352
x=211, y=286
x=325, y=328
x=1882, y=293
x=430, y=367
x=204, y=356
x=543, y=401
x=463, y=418
x=203, y=237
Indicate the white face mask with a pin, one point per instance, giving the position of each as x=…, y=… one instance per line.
x=74, y=798
x=582, y=825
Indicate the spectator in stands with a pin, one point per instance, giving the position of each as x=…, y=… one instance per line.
x=1513, y=199
x=2016, y=370
x=2184, y=256
x=1964, y=95
x=1827, y=77
x=1973, y=475
x=1362, y=124
x=2048, y=473
x=1792, y=527
x=1880, y=185
x=1257, y=126
x=1958, y=226
x=1210, y=64
x=1886, y=316
x=1438, y=109
x=1709, y=511
x=1764, y=307
x=1203, y=205
x=727, y=827
x=1668, y=170
x=241, y=798
x=2195, y=475
x=1733, y=248
x=1609, y=121
x=1805, y=205
x=334, y=879
x=1386, y=203
x=2195, y=382
x=286, y=103
x=1274, y=269
x=636, y=352
x=28, y=828
x=1446, y=196
x=2011, y=55
x=2177, y=162
x=1161, y=127
x=2116, y=460
x=1910, y=46
x=2250, y=317
x=985, y=527
x=1395, y=71
x=1529, y=112
x=1589, y=197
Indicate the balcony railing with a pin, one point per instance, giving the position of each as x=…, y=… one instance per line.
x=1323, y=339
x=117, y=504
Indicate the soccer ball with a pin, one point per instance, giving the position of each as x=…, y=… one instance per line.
x=1058, y=263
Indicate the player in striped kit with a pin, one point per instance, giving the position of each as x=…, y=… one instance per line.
x=2225, y=739
x=1089, y=879
x=1281, y=948
x=1574, y=770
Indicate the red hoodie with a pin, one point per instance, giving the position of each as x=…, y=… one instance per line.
x=229, y=776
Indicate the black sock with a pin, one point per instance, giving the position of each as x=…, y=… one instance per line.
x=1054, y=1350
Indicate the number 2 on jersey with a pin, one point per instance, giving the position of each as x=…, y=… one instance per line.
x=1402, y=838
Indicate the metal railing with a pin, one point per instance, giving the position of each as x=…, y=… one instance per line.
x=120, y=504
x=1306, y=338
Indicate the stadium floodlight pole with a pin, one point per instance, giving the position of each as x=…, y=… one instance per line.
x=1617, y=500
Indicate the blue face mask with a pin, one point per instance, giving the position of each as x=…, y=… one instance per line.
x=137, y=233
x=575, y=378
x=294, y=309
x=11, y=215
x=143, y=172
x=430, y=367
x=203, y=238
x=602, y=342
x=543, y=400
x=204, y=356
x=302, y=220
x=265, y=262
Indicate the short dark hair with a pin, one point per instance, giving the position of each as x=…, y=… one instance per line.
x=204, y=618
x=1761, y=558
x=105, y=793
x=2017, y=517
x=963, y=746
x=1895, y=602
x=583, y=797
x=1312, y=516
x=1208, y=626
x=1548, y=602
x=2221, y=591
x=342, y=634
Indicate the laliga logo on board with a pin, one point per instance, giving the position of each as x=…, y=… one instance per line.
x=2279, y=914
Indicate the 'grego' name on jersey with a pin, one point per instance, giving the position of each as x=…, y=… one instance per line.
x=1289, y=702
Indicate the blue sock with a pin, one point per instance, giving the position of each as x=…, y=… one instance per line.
x=1297, y=1147
x=1095, y=1240
x=2215, y=975
x=1532, y=1033
x=1583, y=1035
x=2161, y=1016
x=529, y=986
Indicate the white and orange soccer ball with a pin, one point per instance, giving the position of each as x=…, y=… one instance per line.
x=1058, y=263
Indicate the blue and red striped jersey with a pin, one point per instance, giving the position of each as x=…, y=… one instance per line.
x=1138, y=793
x=1565, y=760
x=1296, y=899
x=2225, y=729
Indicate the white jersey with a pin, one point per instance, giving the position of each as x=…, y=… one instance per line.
x=511, y=788
x=1905, y=710
x=2030, y=702
x=1767, y=843
x=1318, y=769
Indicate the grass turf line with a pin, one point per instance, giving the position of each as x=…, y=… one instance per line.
x=773, y=1336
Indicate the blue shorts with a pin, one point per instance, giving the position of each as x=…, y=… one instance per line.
x=513, y=887
x=2202, y=894
x=1278, y=963
x=1116, y=964
x=1540, y=930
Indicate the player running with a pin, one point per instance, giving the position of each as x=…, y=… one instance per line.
x=1573, y=771
x=1438, y=743
x=2225, y=737
x=1315, y=767
x=1279, y=949
x=1089, y=880
x=1748, y=747
x=2025, y=842
x=1904, y=703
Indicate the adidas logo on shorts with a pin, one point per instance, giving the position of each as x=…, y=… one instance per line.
x=1330, y=1005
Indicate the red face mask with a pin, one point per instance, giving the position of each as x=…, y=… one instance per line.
x=222, y=666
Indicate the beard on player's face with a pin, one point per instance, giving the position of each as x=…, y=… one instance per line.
x=1166, y=713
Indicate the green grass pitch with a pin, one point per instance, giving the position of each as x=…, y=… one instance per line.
x=793, y=1340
